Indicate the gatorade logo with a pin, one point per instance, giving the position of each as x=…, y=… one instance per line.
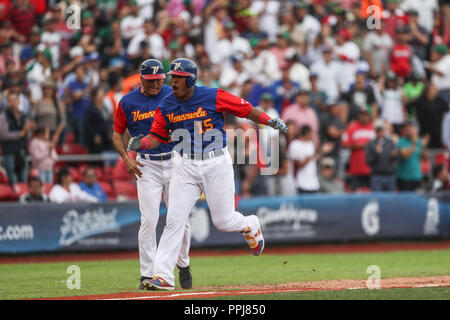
x=370, y=219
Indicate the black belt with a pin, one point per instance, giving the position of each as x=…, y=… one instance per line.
x=203, y=156
x=156, y=157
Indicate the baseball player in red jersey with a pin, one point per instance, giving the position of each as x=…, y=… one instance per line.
x=152, y=168
x=192, y=112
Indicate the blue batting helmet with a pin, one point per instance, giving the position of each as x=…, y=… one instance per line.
x=152, y=69
x=184, y=67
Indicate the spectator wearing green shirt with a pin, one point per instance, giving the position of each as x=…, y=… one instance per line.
x=413, y=88
x=409, y=173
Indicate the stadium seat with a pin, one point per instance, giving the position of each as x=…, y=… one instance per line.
x=107, y=187
x=120, y=171
x=3, y=177
x=71, y=148
x=125, y=188
x=6, y=193
x=47, y=187
x=76, y=175
x=20, y=188
x=363, y=190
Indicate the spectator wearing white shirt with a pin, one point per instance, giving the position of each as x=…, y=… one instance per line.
x=232, y=79
x=267, y=12
x=440, y=68
x=425, y=8
x=52, y=40
x=302, y=152
x=66, y=191
x=327, y=71
x=310, y=25
x=230, y=44
x=133, y=23
x=154, y=41
x=347, y=53
x=263, y=66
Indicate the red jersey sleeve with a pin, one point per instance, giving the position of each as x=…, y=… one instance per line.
x=226, y=102
x=347, y=137
x=159, y=127
x=120, y=121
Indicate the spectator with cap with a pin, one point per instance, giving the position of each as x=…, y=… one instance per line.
x=327, y=177
x=381, y=156
x=348, y=54
x=394, y=17
x=67, y=191
x=440, y=71
x=357, y=135
x=14, y=129
x=392, y=101
x=302, y=152
x=284, y=90
x=38, y=71
x=430, y=110
x=34, y=193
x=327, y=71
x=411, y=149
x=91, y=186
x=302, y=114
x=52, y=39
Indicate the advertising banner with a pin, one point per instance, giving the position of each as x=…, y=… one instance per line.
x=297, y=219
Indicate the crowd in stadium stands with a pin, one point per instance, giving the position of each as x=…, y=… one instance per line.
x=364, y=92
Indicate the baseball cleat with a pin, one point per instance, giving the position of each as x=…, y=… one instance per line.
x=157, y=283
x=185, y=277
x=255, y=241
x=141, y=283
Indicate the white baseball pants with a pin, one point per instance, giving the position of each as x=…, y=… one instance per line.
x=215, y=178
x=155, y=181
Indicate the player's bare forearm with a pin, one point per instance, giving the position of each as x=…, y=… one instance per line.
x=119, y=145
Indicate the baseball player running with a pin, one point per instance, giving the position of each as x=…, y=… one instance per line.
x=152, y=168
x=199, y=111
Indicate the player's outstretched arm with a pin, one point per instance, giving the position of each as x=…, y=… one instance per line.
x=140, y=142
x=261, y=117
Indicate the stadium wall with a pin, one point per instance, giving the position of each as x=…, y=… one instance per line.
x=299, y=219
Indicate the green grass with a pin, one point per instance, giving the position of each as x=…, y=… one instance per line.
x=39, y=280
